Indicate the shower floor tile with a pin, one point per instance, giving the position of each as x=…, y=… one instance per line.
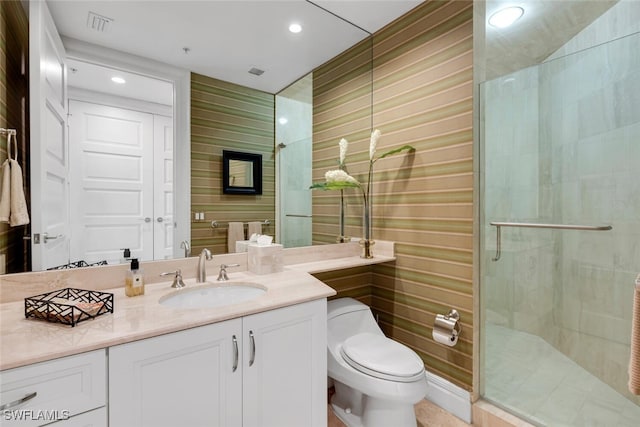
x=527, y=376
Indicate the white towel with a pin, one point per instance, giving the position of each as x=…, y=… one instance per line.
x=13, y=206
x=5, y=193
x=634, y=359
x=254, y=228
x=235, y=233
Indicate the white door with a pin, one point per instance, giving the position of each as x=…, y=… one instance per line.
x=285, y=367
x=49, y=153
x=163, y=187
x=111, y=152
x=187, y=378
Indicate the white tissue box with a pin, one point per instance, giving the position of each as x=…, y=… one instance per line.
x=241, y=246
x=265, y=259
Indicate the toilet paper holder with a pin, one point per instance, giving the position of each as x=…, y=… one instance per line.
x=450, y=323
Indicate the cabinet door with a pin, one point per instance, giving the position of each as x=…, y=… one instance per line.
x=95, y=418
x=38, y=394
x=185, y=378
x=285, y=367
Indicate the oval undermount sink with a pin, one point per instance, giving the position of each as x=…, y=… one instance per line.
x=213, y=295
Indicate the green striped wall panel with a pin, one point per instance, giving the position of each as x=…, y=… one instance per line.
x=422, y=95
x=225, y=116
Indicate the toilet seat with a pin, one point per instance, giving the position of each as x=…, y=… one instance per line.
x=381, y=357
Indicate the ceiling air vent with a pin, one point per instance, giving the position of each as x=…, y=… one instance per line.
x=256, y=71
x=99, y=23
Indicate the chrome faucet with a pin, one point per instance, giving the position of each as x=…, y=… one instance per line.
x=187, y=250
x=222, y=276
x=177, y=279
x=205, y=255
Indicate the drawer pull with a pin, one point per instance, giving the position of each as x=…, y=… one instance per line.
x=18, y=402
x=252, y=358
x=235, y=354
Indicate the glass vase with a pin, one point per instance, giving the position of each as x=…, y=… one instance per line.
x=367, y=242
x=341, y=236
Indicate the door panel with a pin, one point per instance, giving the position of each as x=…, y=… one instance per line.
x=49, y=153
x=181, y=379
x=111, y=182
x=163, y=187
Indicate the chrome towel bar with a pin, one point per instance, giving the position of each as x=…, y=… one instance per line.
x=498, y=226
x=218, y=224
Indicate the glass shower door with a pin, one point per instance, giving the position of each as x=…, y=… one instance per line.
x=561, y=145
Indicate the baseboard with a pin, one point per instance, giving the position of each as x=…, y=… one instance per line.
x=449, y=397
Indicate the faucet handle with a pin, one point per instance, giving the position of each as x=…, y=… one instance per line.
x=177, y=280
x=222, y=276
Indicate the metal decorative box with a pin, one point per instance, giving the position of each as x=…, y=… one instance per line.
x=68, y=306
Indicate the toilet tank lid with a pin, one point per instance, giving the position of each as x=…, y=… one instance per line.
x=341, y=306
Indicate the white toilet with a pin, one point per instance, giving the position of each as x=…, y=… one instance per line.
x=377, y=380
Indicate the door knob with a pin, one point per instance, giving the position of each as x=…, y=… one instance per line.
x=159, y=219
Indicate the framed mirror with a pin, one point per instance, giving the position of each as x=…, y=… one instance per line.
x=241, y=173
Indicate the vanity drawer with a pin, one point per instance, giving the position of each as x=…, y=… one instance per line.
x=63, y=388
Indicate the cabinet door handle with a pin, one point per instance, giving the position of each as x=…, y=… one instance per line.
x=252, y=358
x=235, y=353
x=18, y=402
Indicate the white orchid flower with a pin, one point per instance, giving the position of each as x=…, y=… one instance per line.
x=338, y=176
x=375, y=136
x=344, y=144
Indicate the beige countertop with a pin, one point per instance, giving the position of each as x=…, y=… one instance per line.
x=26, y=341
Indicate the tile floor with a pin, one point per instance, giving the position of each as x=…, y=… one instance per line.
x=530, y=378
x=427, y=415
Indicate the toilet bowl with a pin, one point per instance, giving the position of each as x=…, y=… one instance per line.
x=377, y=380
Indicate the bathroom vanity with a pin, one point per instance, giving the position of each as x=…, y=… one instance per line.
x=266, y=369
x=260, y=362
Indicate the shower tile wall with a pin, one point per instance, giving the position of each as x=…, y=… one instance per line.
x=562, y=143
x=518, y=287
x=295, y=168
x=593, y=130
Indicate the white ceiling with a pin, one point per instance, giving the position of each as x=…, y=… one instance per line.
x=85, y=75
x=227, y=38
x=545, y=27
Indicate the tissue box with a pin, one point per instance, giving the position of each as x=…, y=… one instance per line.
x=242, y=245
x=265, y=259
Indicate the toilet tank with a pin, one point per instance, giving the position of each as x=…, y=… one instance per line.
x=347, y=317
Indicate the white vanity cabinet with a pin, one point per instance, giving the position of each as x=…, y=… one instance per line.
x=70, y=389
x=285, y=367
x=266, y=369
x=186, y=378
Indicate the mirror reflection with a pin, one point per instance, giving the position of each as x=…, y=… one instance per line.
x=116, y=217
x=240, y=174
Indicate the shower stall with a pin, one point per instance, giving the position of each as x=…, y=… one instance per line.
x=560, y=146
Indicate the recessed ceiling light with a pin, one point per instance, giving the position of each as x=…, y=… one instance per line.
x=295, y=28
x=283, y=120
x=118, y=80
x=505, y=17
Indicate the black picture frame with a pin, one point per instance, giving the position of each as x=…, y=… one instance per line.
x=251, y=180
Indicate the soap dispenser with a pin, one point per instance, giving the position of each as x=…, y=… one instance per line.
x=134, y=282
